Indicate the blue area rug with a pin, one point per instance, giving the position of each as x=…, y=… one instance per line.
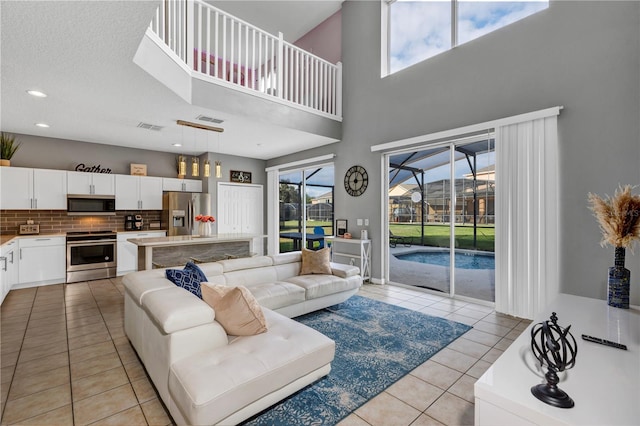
x=376, y=345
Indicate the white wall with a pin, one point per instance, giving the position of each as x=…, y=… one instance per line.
x=583, y=55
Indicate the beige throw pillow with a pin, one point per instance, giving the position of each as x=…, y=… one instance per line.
x=237, y=311
x=316, y=262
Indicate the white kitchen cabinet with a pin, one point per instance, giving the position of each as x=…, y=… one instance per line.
x=128, y=252
x=138, y=193
x=32, y=189
x=181, y=185
x=8, y=268
x=91, y=183
x=42, y=260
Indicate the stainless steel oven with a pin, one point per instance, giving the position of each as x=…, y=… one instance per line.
x=91, y=255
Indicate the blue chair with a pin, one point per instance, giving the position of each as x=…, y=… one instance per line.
x=319, y=230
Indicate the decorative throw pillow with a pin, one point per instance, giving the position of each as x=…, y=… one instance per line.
x=237, y=311
x=316, y=262
x=188, y=278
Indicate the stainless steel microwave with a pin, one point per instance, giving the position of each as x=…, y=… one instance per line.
x=91, y=205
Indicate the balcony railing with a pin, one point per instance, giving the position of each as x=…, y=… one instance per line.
x=228, y=50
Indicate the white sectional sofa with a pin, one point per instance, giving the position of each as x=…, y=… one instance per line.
x=205, y=376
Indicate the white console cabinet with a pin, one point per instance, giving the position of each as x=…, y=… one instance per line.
x=352, y=251
x=604, y=383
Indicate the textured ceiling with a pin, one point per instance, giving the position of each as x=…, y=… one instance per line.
x=80, y=53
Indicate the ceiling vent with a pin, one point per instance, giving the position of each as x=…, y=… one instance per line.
x=150, y=126
x=209, y=119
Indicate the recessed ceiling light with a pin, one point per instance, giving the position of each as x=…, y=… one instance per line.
x=176, y=144
x=37, y=93
x=42, y=125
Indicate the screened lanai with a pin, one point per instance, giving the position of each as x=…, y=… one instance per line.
x=441, y=217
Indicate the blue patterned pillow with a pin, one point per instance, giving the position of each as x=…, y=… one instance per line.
x=188, y=278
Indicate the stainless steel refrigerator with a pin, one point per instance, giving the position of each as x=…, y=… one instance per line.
x=179, y=210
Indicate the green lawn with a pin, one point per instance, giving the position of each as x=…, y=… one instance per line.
x=434, y=235
x=438, y=235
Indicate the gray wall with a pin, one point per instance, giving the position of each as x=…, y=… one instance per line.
x=62, y=154
x=582, y=55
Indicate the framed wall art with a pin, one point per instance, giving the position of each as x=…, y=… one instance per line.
x=341, y=227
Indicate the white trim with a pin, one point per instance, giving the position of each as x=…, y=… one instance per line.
x=479, y=127
x=308, y=161
x=384, y=207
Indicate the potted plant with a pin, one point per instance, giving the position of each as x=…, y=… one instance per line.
x=619, y=220
x=8, y=147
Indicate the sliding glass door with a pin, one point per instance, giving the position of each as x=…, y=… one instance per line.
x=306, y=207
x=441, y=219
x=419, y=211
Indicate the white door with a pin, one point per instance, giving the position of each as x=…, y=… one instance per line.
x=240, y=208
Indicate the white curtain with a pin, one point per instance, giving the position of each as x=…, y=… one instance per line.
x=527, y=264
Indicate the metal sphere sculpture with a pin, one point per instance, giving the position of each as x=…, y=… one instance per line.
x=556, y=348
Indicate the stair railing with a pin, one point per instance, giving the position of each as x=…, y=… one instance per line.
x=217, y=45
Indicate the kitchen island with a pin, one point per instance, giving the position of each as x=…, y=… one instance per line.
x=162, y=252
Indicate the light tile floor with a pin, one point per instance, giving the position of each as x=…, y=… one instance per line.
x=66, y=361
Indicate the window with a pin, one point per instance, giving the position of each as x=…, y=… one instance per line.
x=417, y=30
x=306, y=203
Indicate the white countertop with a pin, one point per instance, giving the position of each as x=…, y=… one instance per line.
x=191, y=239
x=604, y=383
x=4, y=239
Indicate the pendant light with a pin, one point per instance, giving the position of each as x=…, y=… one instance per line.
x=182, y=166
x=218, y=163
x=195, y=167
x=207, y=168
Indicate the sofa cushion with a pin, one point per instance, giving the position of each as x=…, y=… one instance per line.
x=174, y=309
x=188, y=278
x=323, y=285
x=236, y=309
x=212, y=385
x=143, y=282
x=344, y=271
x=245, y=263
x=289, y=257
x=316, y=262
x=278, y=294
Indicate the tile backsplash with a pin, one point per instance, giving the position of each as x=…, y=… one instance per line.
x=53, y=221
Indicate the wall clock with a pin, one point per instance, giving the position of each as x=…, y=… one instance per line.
x=356, y=180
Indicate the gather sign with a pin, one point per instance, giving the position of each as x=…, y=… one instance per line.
x=91, y=169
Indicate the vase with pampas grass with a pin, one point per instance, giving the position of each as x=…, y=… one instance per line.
x=619, y=220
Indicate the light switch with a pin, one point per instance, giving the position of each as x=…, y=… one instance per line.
x=359, y=222
x=366, y=222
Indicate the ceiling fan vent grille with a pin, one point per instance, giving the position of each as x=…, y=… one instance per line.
x=150, y=126
x=209, y=119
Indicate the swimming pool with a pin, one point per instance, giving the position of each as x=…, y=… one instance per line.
x=442, y=258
